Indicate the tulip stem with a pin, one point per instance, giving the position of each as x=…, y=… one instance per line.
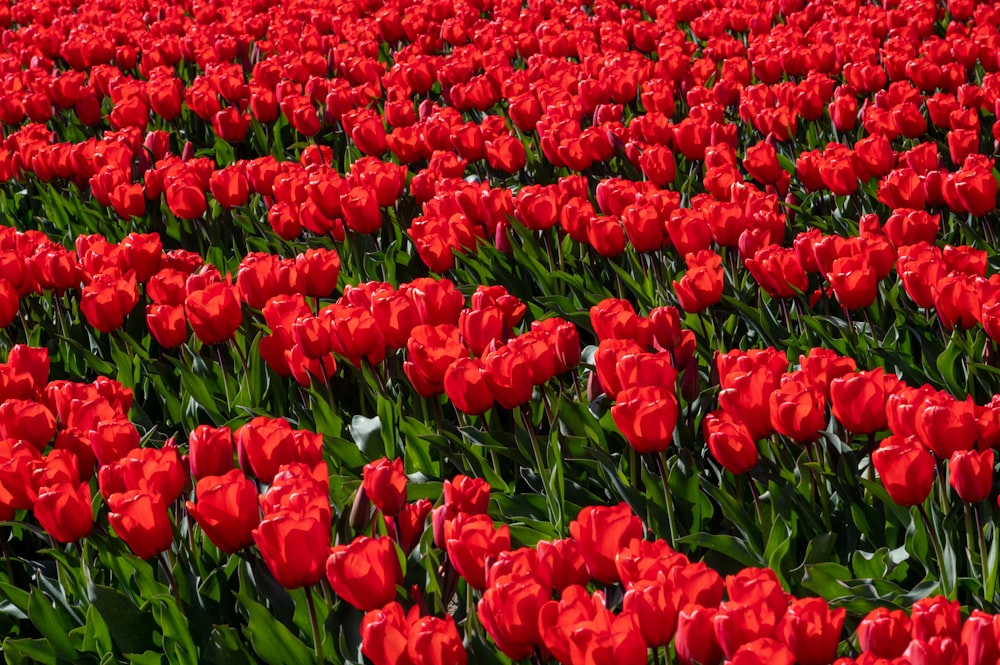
x=938, y=552
x=667, y=498
x=171, y=580
x=983, y=554
x=314, y=625
x=225, y=375
x=656, y=656
x=6, y=560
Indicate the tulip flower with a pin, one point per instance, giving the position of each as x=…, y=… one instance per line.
x=365, y=572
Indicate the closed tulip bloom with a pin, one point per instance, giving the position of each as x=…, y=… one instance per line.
x=946, y=425
x=466, y=387
x=107, y=300
x=140, y=519
x=936, y=616
x=798, y=411
x=365, y=573
x=481, y=327
x=738, y=623
x=563, y=558
x=384, y=634
x=156, y=470
x=167, y=324
x=933, y=651
x=699, y=288
x=812, y=631
x=730, y=442
x=601, y=532
x=508, y=374
x=884, y=633
x=265, y=444
x=746, y=398
x=64, y=511
x=655, y=605
x=970, y=474
x=509, y=613
x=858, y=400
x=384, y=483
x=294, y=548
x=210, y=451
x=853, y=282
x=696, y=641
x=765, y=651
x=761, y=162
x=214, y=313
x=434, y=641
x=906, y=470
x=27, y=420
x=226, y=509
x=472, y=539
x=646, y=417
x=978, y=639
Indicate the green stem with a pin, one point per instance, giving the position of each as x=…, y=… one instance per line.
x=668, y=498
x=983, y=553
x=314, y=625
x=171, y=581
x=938, y=551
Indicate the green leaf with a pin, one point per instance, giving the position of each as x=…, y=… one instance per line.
x=731, y=546
x=367, y=434
x=272, y=642
x=131, y=629
x=178, y=646
x=53, y=624
x=29, y=651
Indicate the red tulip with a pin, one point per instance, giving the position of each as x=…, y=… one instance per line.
x=884, y=633
x=140, y=519
x=646, y=417
x=970, y=474
x=226, y=509
x=64, y=511
x=365, y=572
x=214, y=313
x=295, y=548
x=601, y=532
x=906, y=470
x=811, y=630
x=385, y=485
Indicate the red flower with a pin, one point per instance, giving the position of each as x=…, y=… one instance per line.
x=210, y=450
x=970, y=474
x=384, y=634
x=385, y=485
x=64, y=511
x=646, y=416
x=226, y=509
x=509, y=613
x=434, y=641
x=365, y=573
x=601, y=532
x=812, y=631
x=465, y=384
x=472, y=539
x=906, y=470
x=140, y=518
x=295, y=548
x=214, y=313
x=884, y=633
x=730, y=442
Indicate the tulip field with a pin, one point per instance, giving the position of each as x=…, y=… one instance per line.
x=433, y=332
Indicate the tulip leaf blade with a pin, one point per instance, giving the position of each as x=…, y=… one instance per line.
x=51, y=623
x=272, y=642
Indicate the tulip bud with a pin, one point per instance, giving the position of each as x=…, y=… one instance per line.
x=361, y=511
x=187, y=154
x=691, y=380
